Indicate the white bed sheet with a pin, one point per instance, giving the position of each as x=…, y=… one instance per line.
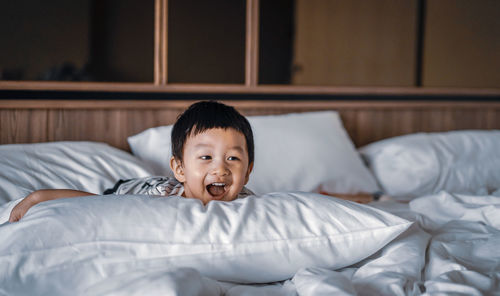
x=453, y=249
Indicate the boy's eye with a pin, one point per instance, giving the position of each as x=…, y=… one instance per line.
x=233, y=158
x=206, y=157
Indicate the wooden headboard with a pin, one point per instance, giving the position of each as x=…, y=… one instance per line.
x=110, y=121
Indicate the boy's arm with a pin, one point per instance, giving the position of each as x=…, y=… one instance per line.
x=40, y=196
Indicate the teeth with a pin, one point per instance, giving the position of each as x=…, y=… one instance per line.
x=219, y=184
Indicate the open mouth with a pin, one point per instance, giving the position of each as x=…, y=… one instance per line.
x=216, y=189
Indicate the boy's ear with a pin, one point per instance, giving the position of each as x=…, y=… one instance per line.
x=250, y=168
x=176, y=166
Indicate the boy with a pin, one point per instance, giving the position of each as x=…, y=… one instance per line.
x=212, y=158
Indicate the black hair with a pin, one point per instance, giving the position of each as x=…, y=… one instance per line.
x=205, y=115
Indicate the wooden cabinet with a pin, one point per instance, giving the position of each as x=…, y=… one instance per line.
x=329, y=47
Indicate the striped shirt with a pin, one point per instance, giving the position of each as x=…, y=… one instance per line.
x=165, y=186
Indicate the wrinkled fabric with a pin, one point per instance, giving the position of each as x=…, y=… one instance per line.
x=177, y=281
x=322, y=282
x=453, y=248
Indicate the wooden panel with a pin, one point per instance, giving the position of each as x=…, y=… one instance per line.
x=113, y=121
x=462, y=44
x=23, y=125
x=355, y=42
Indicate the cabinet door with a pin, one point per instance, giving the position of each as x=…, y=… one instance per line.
x=462, y=44
x=77, y=40
x=352, y=43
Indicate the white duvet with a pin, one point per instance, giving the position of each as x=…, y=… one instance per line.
x=453, y=248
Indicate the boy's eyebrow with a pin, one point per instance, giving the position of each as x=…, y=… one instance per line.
x=202, y=145
x=239, y=148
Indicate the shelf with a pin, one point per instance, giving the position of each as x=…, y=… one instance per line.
x=243, y=89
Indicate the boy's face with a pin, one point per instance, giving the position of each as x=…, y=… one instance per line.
x=215, y=165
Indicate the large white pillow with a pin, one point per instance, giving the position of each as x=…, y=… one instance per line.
x=77, y=242
x=87, y=166
x=302, y=151
x=426, y=163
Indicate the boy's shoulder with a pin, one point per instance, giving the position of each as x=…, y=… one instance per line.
x=245, y=192
x=154, y=185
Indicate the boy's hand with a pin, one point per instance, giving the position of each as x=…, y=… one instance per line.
x=359, y=197
x=21, y=208
x=40, y=196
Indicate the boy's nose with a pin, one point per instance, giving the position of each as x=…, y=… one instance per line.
x=220, y=169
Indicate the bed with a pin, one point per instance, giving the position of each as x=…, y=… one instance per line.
x=430, y=170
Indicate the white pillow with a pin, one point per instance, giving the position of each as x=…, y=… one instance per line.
x=303, y=151
x=258, y=239
x=426, y=163
x=87, y=166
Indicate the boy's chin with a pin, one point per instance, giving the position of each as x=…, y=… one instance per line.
x=222, y=197
x=209, y=197
x=216, y=198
